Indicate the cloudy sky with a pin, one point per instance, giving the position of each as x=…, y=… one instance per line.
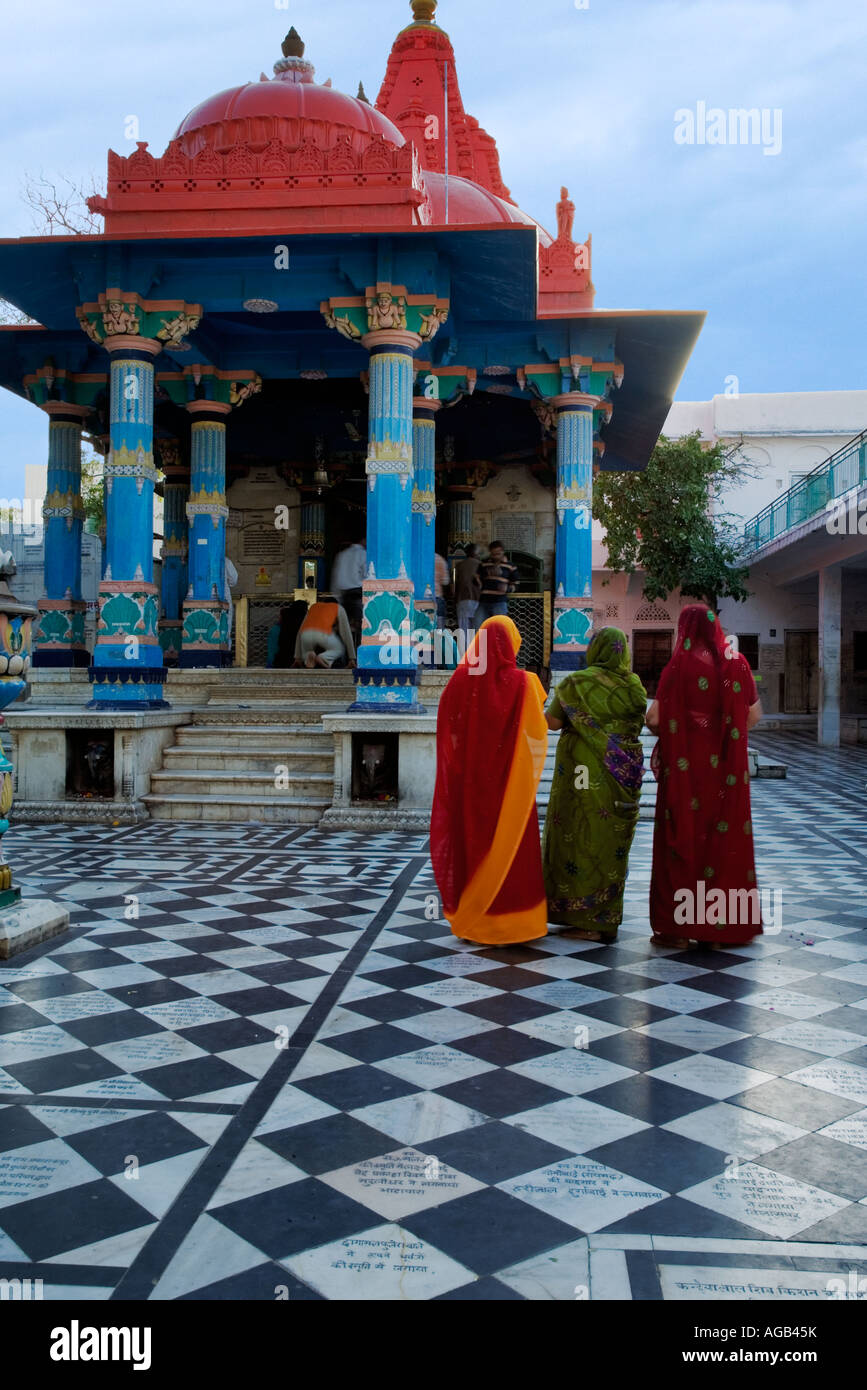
x=581, y=92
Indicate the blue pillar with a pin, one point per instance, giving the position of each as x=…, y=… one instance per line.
x=59, y=629
x=424, y=509
x=387, y=673
x=174, y=555
x=127, y=670
x=573, y=572
x=206, y=607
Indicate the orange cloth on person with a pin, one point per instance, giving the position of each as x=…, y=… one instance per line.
x=491, y=745
x=321, y=618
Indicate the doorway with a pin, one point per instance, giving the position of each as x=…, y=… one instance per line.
x=802, y=672
x=651, y=653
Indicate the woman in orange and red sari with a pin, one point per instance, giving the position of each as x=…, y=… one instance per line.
x=491, y=745
x=703, y=842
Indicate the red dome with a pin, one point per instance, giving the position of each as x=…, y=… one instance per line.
x=290, y=106
x=471, y=204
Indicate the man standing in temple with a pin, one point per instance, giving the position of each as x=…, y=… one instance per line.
x=442, y=586
x=230, y=579
x=347, y=583
x=499, y=579
x=468, y=587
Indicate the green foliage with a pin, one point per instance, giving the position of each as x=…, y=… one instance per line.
x=92, y=494
x=660, y=521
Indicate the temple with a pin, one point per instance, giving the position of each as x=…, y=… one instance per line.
x=312, y=318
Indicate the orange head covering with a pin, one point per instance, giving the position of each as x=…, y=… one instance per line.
x=491, y=741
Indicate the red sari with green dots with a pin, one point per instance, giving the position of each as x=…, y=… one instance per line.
x=704, y=874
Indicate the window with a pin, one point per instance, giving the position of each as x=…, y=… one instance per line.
x=748, y=646
x=859, y=653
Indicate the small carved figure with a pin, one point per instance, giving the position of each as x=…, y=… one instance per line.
x=432, y=322
x=386, y=312
x=91, y=330
x=174, y=330
x=344, y=325
x=565, y=216
x=242, y=391
x=374, y=773
x=119, y=318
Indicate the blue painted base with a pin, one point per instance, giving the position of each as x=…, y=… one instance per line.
x=386, y=691
x=132, y=689
x=127, y=706
x=127, y=675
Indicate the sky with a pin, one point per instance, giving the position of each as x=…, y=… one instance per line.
x=586, y=93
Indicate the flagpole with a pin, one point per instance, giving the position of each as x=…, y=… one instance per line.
x=446, y=131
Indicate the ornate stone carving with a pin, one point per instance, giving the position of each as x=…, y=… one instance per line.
x=653, y=613
x=565, y=216
x=387, y=311
x=432, y=322
x=118, y=318
x=125, y=315
x=174, y=330
x=241, y=391
x=344, y=325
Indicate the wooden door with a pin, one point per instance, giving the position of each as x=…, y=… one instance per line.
x=802, y=672
x=651, y=652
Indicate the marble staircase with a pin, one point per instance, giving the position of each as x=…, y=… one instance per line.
x=273, y=764
x=258, y=749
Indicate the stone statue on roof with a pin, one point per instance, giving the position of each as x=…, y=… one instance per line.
x=565, y=216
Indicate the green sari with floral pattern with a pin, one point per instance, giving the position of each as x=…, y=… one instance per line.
x=596, y=789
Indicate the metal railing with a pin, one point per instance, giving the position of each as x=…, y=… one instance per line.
x=809, y=497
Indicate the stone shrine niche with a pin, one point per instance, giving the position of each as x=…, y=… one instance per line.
x=516, y=509
x=265, y=556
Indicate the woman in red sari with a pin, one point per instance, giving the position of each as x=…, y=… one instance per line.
x=704, y=873
x=491, y=745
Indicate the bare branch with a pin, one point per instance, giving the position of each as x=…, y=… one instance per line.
x=59, y=206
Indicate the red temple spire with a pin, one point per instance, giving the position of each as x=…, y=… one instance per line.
x=413, y=97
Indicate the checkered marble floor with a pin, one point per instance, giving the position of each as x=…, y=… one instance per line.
x=259, y=1066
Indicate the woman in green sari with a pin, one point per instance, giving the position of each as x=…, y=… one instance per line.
x=593, y=809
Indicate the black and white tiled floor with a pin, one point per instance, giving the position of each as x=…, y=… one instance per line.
x=259, y=1066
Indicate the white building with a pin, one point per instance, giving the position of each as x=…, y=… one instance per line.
x=804, y=629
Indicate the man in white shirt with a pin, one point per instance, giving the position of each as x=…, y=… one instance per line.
x=347, y=580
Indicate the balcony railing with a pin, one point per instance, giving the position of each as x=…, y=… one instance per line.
x=843, y=471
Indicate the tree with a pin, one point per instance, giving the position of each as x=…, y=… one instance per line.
x=58, y=207
x=92, y=492
x=660, y=521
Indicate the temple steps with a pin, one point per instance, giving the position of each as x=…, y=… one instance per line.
x=256, y=758
x=241, y=781
x=265, y=713
x=226, y=763
x=217, y=806
x=253, y=740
